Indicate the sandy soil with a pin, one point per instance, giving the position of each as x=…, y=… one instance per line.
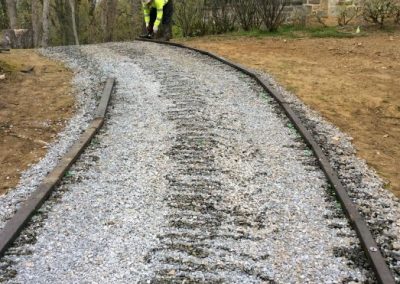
x=353, y=83
x=33, y=109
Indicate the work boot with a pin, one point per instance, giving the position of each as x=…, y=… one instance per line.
x=146, y=35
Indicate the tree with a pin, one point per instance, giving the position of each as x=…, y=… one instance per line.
x=110, y=15
x=4, y=22
x=45, y=21
x=12, y=13
x=36, y=8
x=72, y=6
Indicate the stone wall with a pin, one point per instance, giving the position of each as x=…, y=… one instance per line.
x=328, y=7
x=299, y=11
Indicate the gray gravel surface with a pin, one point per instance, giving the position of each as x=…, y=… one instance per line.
x=197, y=176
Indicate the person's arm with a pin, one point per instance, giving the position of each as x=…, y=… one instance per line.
x=160, y=11
x=146, y=12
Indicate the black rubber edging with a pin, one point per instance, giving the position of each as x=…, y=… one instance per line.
x=28, y=208
x=377, y=262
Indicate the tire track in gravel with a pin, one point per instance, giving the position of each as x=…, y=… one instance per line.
x=196, y=194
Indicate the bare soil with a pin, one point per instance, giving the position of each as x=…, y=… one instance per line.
x=354, y=83
x=34, y=107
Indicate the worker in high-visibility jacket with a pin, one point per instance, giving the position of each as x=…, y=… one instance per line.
x=158, y=12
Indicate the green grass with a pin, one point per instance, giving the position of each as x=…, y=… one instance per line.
x=322, y=32
x=6, y=68
x=290, y=31
x=297, y=32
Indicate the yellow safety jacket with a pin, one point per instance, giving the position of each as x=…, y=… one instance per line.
x=159, y=5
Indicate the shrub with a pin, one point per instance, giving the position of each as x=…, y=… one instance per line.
x=347, y=11
x=271, y=13
x=377, y=11
x=397, y=13
x=222, y=16
x=246, y=13
x=190, y=17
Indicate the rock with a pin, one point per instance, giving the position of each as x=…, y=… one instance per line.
x=27, y=69
x=396, y=255
x=2, y=76
x=17, y=38
x=172, y=272
x=396, y=246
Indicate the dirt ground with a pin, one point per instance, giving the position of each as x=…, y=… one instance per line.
x=354, y=83
x=33, y=109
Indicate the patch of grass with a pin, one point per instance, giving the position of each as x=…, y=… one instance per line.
x=322, y=32
x=285, y=31
x=316, y=32
x=291, y=32
x=95, y=141
x=265, y=96
x=176, y=32
x=290, y=125
x=308, y=152
x=7, y=68
x=291, y=89
x=69, y=174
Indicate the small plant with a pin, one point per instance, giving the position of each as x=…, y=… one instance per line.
x=69, y=174
x=377, y=11
x=308, y=152
x=347, y=11
x=95, y=141
x=290, y=125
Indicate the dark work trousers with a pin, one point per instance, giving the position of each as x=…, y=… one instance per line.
x=167, y=15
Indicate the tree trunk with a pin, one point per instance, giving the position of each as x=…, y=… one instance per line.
x=72, y=5
x=133, y=11
x=12, y=13
x=36, y=22
x=45, y=20
x=63, y=17
x=4, y=23
x=111, y=7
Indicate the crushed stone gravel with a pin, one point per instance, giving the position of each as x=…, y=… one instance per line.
x=197, y=176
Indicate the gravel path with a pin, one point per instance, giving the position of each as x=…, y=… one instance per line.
x=197, y=176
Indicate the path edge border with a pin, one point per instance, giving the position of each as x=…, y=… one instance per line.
x=22, y=216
